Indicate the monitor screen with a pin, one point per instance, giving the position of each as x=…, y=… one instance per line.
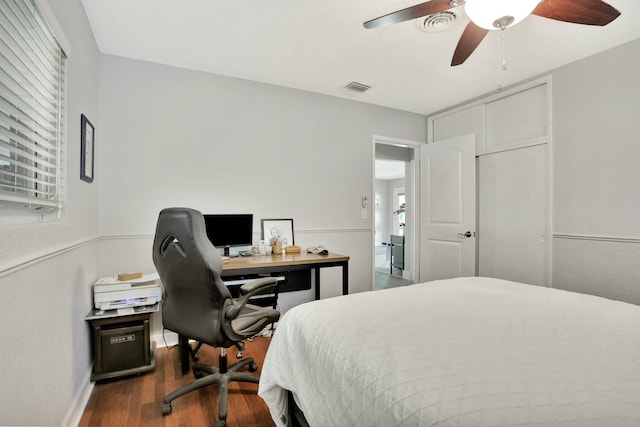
x=229, y=230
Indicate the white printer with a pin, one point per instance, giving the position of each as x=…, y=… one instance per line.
x=109, y=293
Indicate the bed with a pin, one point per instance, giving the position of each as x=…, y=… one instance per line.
x=461, y=352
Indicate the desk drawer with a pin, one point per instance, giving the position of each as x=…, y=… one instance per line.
x=296, y=280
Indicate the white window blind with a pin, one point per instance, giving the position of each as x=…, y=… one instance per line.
x=32, y=85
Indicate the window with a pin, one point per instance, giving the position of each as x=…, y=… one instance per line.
x=32, y=83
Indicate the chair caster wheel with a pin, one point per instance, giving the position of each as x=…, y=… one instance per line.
x=253, y=367
x=221, y=423
x=166, y=409
x=198, y=374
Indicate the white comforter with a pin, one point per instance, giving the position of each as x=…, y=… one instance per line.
x=460, y=352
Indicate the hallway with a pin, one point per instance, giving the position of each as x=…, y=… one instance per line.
x=384, y=280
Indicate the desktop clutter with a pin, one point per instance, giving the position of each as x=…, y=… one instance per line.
x=276, y=248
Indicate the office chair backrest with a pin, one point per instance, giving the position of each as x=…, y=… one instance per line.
x=189, y=266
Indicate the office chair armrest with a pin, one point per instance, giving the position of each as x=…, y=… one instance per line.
x=247, y=291
x=258, y=285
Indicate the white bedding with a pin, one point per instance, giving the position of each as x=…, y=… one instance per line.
x=460, y=352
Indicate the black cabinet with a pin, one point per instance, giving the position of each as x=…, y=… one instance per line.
x=121, y=343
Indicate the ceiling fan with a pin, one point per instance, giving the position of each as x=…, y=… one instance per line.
x=489, y=15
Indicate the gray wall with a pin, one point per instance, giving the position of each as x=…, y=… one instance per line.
x=174, y=137
x=46, y=269
x=596, y=174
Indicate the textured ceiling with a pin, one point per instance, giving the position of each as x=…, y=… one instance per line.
x=321, y=45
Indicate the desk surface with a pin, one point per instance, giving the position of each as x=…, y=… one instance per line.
x=302, y=258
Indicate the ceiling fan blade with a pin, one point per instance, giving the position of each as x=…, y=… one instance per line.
x=587, y=12
x=469, y=41
x=413, y=12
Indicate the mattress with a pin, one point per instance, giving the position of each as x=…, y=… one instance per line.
x=459, y=352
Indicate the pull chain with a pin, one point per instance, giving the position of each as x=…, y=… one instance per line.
x=504, y=57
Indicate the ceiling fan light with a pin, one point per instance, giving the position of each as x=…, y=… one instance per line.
x=485, y=13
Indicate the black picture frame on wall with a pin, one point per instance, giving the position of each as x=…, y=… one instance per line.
x=87, y=149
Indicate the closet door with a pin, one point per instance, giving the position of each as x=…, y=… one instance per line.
x=513, y=135
x=512, y=215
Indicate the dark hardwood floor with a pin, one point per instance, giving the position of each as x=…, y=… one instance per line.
x=137, y=400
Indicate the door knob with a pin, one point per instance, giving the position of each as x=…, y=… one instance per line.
x=465, y=235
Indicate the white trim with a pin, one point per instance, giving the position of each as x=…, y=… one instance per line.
x=297, y=231
x=396, y=141
x=596, y=238
x=19, y=264
x=413, y=216
x=550, y=184
x=512, y=146
x=127, y=236
x=165, y=335
x=79, y=402
x=335, y=230
x=45, y=8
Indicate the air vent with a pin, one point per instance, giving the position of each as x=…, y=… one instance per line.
x=356, y=87
x=437, y=22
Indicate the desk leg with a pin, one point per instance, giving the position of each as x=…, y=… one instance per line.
x=183, y=347
x=317, y=277
x=345, y=278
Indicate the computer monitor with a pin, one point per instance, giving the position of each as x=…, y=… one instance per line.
x=229, y=230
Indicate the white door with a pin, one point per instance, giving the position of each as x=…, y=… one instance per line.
x=448, y=209
x=512, y=215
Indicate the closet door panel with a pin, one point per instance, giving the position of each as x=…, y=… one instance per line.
x=512, y=215
x=470, y=120
x=517, y=118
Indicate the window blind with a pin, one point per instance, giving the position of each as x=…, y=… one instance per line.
x=32, y=82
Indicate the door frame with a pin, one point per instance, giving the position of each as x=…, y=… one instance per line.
x=414, y=209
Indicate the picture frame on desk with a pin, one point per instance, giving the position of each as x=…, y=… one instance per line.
x=87, y=149
x=278, y=228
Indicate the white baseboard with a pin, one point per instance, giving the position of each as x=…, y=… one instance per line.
x=79, y=403
x=165, y=339
x=75, y=411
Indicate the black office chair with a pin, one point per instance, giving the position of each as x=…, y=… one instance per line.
x=197, y=305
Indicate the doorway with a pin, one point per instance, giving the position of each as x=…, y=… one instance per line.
x=395, y=211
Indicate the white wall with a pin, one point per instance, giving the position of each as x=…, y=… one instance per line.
x=596, y=152
x=46, y=269
x=173, y=137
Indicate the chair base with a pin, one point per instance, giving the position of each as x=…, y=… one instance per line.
x=220, y=376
